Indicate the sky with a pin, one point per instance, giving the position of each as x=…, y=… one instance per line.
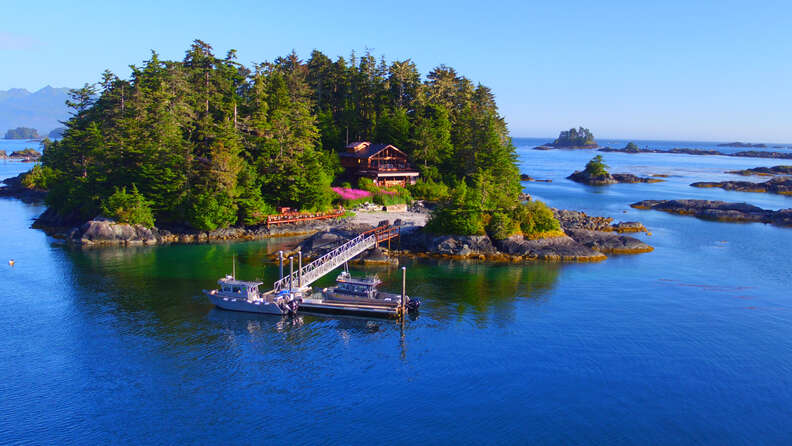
x=679, y=70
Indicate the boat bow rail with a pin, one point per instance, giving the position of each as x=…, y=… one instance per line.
x=311, y=272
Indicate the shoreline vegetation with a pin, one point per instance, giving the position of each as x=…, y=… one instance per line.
x=207, y=149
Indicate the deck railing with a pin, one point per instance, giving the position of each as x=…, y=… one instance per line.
x=295, y=217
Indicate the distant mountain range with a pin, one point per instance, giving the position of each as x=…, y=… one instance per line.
x=41, y=109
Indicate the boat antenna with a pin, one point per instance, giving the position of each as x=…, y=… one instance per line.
x=233, y=266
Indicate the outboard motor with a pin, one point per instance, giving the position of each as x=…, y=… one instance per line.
x=413, y=304
x=294, y=305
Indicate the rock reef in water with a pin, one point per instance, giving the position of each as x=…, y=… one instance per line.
x=719, y=211
x=15, y=189
x=744, y=154
x=603, y=180
x=674, y=150
x=524, y=177
x=741, y=144
x=782, y=185
x=763, y=171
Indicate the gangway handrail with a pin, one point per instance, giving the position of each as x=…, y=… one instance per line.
x=335, y=258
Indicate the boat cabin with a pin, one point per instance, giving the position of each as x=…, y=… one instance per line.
x=365, y=287
x=385, y=164
x=238, y=288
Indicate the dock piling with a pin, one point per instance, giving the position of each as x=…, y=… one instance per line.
x=291, y=274
x=299, y=268
x=404, y=288
x=280, y=264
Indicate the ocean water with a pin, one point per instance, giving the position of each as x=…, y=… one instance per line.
x=689, y=344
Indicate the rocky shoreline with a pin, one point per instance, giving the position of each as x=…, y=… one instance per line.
x=583, y=239
x=105, y=232
x=781, y=185
x=719, y=211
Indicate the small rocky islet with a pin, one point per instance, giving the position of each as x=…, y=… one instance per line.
x=596, y=174
x=719, y=211
x=581, y=176
x=780, y=185
x=763, y=171
x=25, y=155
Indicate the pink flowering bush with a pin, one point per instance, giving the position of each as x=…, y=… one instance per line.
x=351, y=194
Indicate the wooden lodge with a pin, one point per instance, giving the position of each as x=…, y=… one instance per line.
x=383, y=163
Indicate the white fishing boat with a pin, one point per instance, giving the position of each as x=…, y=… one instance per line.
x=238, y=295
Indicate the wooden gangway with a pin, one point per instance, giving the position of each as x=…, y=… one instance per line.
x=311, y=272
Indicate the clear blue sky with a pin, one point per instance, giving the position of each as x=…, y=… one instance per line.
x=719, y=70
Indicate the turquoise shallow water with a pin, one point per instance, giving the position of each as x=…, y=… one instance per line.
x=689, y=344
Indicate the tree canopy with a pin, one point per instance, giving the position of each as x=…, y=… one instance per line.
x=22, y=133
x=579, y=137
x=209, y=142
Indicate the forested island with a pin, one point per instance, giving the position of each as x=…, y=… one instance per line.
x=22, y=133
x=208, y=143
x=580, y=138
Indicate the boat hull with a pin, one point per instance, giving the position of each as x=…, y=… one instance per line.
x=235, y=304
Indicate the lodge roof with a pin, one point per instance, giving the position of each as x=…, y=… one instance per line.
x=366, y=149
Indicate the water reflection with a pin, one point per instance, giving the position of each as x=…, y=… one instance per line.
x=156, y=291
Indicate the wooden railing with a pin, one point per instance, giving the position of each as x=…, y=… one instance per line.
x=313, y=271
x=296, y=217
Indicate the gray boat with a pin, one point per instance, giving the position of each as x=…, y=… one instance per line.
x=238, y=295
x=364, y=291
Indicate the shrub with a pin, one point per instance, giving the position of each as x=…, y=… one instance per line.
x=501, y=226
x=210, y=211
x=597, y=167
x=535, y=218
x=392, y=195
x=631, y=147
x=40, y=177
x=254, y=210
x=429, y=190
x=128, y=207
x=451, y=220
x=367, y=184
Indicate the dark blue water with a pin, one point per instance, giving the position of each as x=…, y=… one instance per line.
x=689, y=344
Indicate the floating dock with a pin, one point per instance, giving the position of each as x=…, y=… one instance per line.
x=320, y=305
x=299, y=281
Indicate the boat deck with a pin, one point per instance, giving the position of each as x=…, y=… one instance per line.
x=320, y=305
